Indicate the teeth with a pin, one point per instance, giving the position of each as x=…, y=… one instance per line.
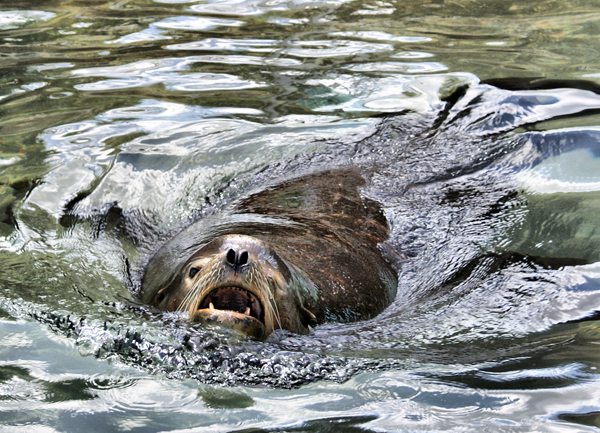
x=211, y=306
x=247, y=312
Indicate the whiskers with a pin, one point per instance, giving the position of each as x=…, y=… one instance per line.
x=262, y=283
x=212, y=274
x=209, y=278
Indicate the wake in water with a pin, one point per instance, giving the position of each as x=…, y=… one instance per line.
x=474, y=283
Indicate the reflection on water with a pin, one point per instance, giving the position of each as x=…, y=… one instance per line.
x=119, y=121
x=574, y=171
x=106, y=397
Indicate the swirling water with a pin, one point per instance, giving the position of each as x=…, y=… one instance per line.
x=120, y=121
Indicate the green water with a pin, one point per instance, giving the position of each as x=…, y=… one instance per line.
x=152, y=106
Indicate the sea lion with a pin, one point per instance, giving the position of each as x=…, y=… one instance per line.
x=294, y=255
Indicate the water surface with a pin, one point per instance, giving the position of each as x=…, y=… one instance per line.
x=122, y=121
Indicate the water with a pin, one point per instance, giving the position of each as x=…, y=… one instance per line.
x=121, y=121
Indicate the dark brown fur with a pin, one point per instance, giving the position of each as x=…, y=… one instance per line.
x=317, y=227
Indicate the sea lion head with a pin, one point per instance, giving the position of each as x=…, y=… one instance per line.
x=239, y=282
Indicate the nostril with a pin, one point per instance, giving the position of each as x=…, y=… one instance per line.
x=230, y=257
x=243, y=258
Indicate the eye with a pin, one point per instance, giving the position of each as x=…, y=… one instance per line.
x=193, y=272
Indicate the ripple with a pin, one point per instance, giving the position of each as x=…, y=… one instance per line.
x=51, y=66
x=399, y=67
x=156, y=30
x=146, y=394
x=15, y=19
x=247, y=60
x=219, y=44
x=289, y=21
x=237, y=7
x=9, y=159
x=169, y=155
x=149, y=66
x=196, y=82
x=154, y=109
x=520, y=107
x=569, y=371
x=34, y=86
x=575, y=171
x=382, y=11
x=334, y=48
x=390, y=93
x=150, y=72
x=304, y=49
x=196, y=23
x=150, y=34
x=382, y=36
x=257, y=7
x=23, y=89
x=411, y=55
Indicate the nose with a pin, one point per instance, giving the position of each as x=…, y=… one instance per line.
x=237, y=258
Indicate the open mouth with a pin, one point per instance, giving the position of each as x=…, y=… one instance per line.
x=234, y=299
x=234, y=308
